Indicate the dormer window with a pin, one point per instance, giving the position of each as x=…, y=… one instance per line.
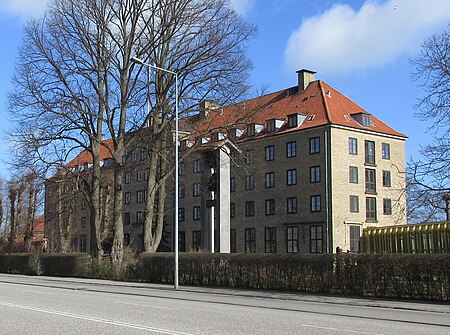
x=271, y=125
x=214, y=137
x=183, y=145
x=293, y=120
x=232, y=133
x=365, y=120
x=251, y=129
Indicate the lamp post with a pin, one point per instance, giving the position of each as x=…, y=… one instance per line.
x=149, y=66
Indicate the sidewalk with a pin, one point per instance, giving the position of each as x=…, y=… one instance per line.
x=404, y=304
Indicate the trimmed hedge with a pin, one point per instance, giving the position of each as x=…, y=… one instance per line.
x=18, y=263
x=64, y=265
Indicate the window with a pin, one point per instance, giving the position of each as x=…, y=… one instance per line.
x=315, y=203
x=385, y=151
x=270, y=234
x=292, y=239
x=249, y=156
x=146, y=171
x=270, y=179
x=354, y=204
x=249, y=208
x=196, y=240
x=293, y=120
x=355, y=234
x=83, y=222
x=140, y=196
x=181, y=214
x=139, y=175
x=365, y=119
x=250, y=240
x=387, y=206
x=139, y=217
x=133, y=156
x=126, y=239
x=371, y=209
x=315, y=239
x=144, y=154
x=196, y=213
x=270, y=207
x=291, y=149
x=353, y=174
x=232, y=184
x=249, y=182
x=233, y=240
x=270, y=153
x=196, y=166
x=370, y=152
x=314, y=174
x=232, y=210
x=196, y=189
x=181, y=169
x=181, y=191
x=126, y=218
x=251, y=129
x=83, y=203
x=182, y=241
x=270, y=125
x=127, y=177
x=386, y=178
x=127, y=197
x=370, y=181
x=314, y=145
x=352, y=146
x=83, y=243
x=292, y=205
x=291, y=177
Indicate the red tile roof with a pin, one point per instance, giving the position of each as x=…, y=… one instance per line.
x=86, y=157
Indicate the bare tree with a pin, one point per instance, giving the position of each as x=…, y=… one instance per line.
x=430, y=175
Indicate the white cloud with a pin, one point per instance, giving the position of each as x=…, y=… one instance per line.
x=343, y=40
x=23, y=8
x=241, y=6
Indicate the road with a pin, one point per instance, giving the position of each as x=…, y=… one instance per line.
x=43, y=305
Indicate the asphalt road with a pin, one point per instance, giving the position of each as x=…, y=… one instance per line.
x=42, y=305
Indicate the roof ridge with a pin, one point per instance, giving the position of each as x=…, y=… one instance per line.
x=327, y=111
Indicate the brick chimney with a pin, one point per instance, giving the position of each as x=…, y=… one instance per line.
x=304, y=78
x=206, y=107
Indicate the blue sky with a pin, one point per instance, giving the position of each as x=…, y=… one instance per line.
x=361, y=48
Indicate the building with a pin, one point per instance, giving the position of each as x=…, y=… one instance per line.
x=304, y=169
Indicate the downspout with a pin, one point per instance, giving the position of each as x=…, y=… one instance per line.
x=327, y=202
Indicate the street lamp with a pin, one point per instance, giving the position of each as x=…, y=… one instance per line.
x=140, y=61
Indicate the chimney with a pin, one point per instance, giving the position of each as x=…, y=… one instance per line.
x=304, y=78
x=206, y=106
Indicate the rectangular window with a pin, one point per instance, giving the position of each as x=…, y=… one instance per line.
x=291, y=149
x=370, y=181
x=233, y=240
x=353, y=174
x=83, y=203
x=270, y=207
x=387, y=206
x=352, y=146
x=249, y=156
x=270, y=125
x=144, y=154
x=371, y=209
x=250, y=240
x=126, y=218
x=316, y=239
x=270, y=179
x=370, y=152
x=386, y=178
x=181, y=169
x=314, y=174
x=126, y=239
x=385, y=151
x=249, y=208
x=181, y=191
x=232, y=184
x=196, y=166
x=314, y=145
x=181, y=214
x=196, y=213
x=196, y=240
x=127, y=197
x=270, y=236
x=140, y=196
x=133, y=156
x=292, y=205
x=139, y=217
x=292, y=239
x=355, y=235
x=270, y=153
x=146, y=171
x=232, y=210
x=249, y=182
x=354, y=204
x=196, y=189
x=127, y=177
x=139, y=175
x=291, y=177
x=83, y=222
x=251, y=129
x=293, y=120
x=83, y=243
x=182, y=241
x=315, y=203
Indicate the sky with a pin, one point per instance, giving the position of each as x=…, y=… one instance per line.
x=363, y=48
